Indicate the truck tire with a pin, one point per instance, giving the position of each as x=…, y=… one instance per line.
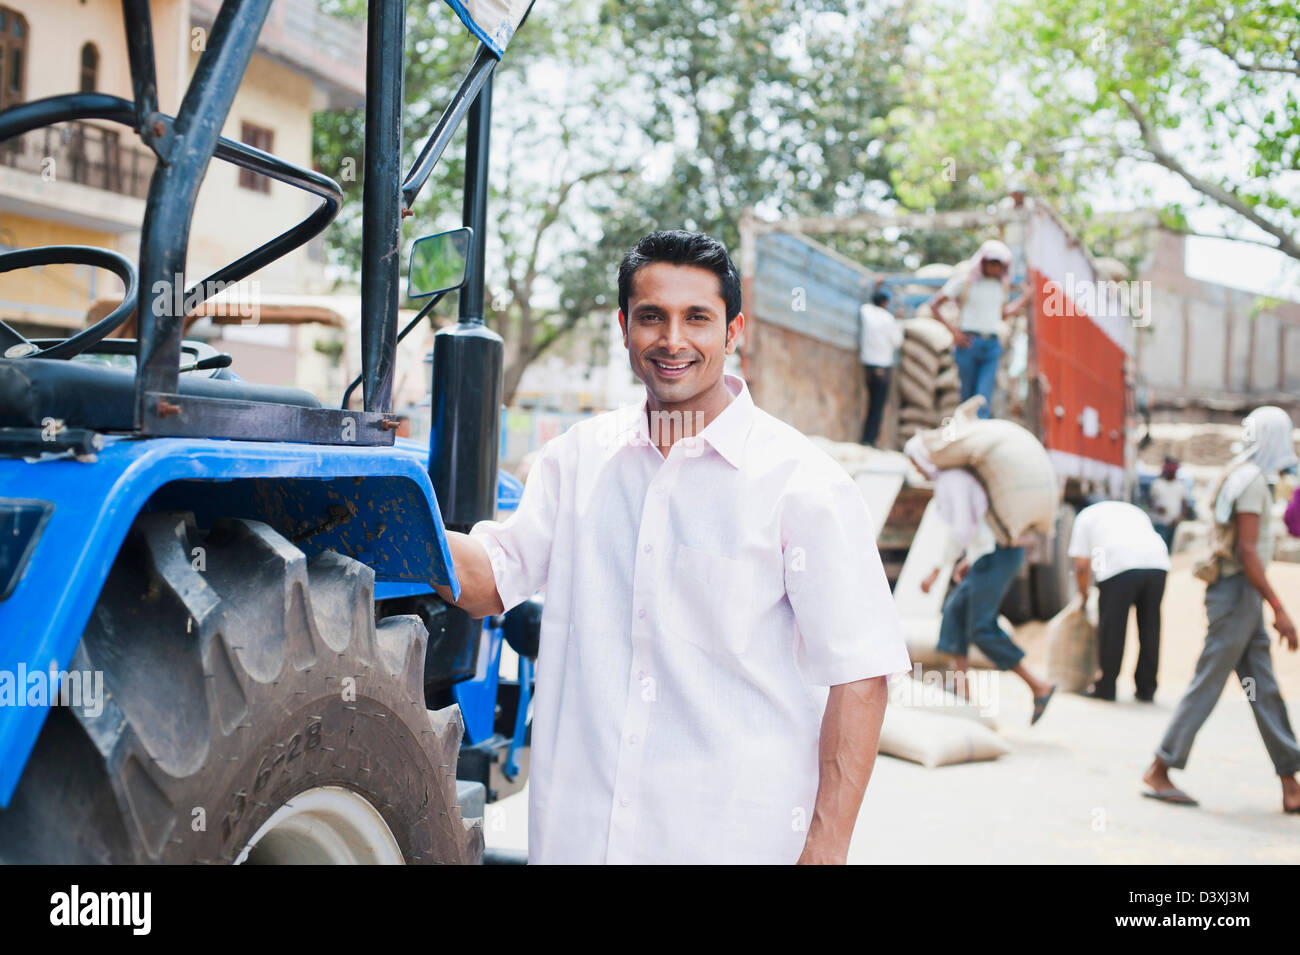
x=1053, y=583
x=251, y=711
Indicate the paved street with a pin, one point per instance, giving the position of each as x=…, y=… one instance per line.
x=1069, y=790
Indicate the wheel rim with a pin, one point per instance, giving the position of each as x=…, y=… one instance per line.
x=328, y=825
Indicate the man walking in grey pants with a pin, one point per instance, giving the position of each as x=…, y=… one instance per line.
x=1237, y=639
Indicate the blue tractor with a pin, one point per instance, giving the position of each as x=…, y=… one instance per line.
x=219, y=635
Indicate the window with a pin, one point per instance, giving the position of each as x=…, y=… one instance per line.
x=89, y=67
x=13, y=57
x=259, y=137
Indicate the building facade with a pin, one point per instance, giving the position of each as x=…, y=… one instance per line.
x=85, y=182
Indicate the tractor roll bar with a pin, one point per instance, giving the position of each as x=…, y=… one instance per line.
x=74, y=106
x=479, y=72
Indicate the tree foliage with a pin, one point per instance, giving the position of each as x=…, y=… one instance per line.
x=1083, y=99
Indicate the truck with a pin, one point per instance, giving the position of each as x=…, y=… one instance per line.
x=1067, y=362
x=220, y=638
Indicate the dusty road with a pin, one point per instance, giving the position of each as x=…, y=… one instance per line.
x=1070, y=789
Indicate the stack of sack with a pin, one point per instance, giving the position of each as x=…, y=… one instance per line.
x=929, y=387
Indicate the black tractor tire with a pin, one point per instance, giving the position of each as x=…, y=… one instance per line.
x=1053, y=583
x=236, y=676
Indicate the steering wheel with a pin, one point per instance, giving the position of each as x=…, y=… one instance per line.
x=14, y=345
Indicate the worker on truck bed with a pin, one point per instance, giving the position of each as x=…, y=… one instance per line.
x=1114, y=542
x=983, y=575
x=981, y=291
x=882, y=335
x=1237, y=640
x=718, y=627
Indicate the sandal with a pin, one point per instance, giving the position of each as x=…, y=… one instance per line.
x=1040, y=704
x=1175, y=796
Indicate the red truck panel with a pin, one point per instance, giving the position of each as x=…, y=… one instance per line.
x=1082, y=367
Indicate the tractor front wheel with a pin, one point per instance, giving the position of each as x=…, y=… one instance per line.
x=252, y=712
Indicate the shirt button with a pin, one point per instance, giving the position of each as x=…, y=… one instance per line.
x=633, y=739
x=640, y=674
x=625, y=802
x=647, y=548
x=641, y=612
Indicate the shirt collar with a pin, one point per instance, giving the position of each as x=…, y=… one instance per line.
x=726, y=433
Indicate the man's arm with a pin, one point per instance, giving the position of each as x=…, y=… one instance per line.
x=1083, y=575
x=1253, y=568
x=501, y=564
x=478, y=587
x=850, y=736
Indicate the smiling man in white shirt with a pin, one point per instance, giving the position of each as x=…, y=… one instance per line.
x=709, y=574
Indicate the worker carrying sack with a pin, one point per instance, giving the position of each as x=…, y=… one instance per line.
x=1010, y=462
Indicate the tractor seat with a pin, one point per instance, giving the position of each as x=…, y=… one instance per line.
x=101, y=398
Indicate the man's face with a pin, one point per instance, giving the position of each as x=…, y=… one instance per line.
x=676, y=331
x=993, y=268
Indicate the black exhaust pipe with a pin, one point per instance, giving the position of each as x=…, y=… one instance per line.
x=468, y=359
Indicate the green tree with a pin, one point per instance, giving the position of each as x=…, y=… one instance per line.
x=551, y=91
x=613, y=119
x=1080, y=98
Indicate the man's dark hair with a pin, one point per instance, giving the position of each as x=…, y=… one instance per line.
x=682, y=248
x=880, y=297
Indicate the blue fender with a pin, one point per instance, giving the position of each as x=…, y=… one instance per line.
x=374, y=504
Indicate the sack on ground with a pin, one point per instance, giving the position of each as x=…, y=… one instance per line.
x=934, y=740
x=1072, y=648
x=929, y=695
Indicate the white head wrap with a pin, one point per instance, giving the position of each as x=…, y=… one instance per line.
x=1269, y=449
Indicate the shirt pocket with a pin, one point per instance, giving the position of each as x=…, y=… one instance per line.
x=712, y=604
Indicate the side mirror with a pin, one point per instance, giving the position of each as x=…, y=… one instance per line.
x=438, y=263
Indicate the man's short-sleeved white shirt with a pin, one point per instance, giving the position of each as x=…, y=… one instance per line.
x=696, y=609
x=1117, y=536
x=881, y=336
x=981, y=310
x=1167, y=496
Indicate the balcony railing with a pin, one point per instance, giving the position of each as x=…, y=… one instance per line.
x=81, y=153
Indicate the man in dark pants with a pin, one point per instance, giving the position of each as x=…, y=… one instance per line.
x=881, y=338
x=1116, y=543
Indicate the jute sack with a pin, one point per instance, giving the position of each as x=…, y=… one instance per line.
x=1011, y=464
x=933, y=739
x=928, y=331
x=926, y=417
x=919, y=353
x=948, y=379
x=1072, y=648
x=917, y=373
x=915, y=393
x=925, y=695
